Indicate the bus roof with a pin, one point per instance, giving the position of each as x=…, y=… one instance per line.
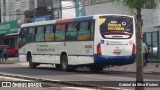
x=58, y=21
x=67, y=20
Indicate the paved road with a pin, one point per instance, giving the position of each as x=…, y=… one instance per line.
x=48, y=72
x=17, y=84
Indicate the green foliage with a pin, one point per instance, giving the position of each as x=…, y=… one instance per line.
x=136, y=4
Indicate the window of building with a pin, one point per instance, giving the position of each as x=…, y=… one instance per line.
x=18, y=14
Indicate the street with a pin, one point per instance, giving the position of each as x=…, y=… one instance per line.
x=84, y=76
x=112, y=44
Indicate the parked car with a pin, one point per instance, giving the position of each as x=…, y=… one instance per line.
x=10, y=50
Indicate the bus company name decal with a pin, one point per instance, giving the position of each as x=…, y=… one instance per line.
x=45, y=49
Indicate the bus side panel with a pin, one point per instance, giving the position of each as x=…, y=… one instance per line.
x=22, y=57
x=80, y=60
x=41, y=52
x=78, y=52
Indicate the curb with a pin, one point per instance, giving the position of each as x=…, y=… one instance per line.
x=59, y=82
x=149, y=72
x=4, y=62
x=9, y=61
x=128, y=71
x=156, y=73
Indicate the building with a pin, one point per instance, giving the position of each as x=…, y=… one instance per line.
x=23, y=11
x=12, y=13
x=39, y=8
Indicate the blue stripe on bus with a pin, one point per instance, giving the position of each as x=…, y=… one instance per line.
x=83, y=18
x=112, y=60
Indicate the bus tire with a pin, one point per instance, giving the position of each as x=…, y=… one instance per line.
x=64, y=63
x=31, y=64
x=96, y=68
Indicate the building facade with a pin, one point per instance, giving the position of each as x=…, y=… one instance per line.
x=23, y=11
x=12, y=10
x=39, y=8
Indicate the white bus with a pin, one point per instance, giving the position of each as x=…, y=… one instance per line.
x=92, y=41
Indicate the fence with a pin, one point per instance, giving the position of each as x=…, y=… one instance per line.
x=153, y=41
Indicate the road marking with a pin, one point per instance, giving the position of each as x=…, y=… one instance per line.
x=23, y=63
x=78, y=88
x=11, y=79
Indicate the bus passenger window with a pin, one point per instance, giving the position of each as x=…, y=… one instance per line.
x=60, y=32
x=49, y=34
x=71, y=33
x=31, y=35
x=84, y=33
x=23, y=37
x=40, y=34
x=91, y=28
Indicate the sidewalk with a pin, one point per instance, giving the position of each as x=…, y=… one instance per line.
x=149, y=68
x=10, y=60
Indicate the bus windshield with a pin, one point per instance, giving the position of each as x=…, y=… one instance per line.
x=116, y=27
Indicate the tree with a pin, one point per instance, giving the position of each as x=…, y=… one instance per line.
x=136, y=7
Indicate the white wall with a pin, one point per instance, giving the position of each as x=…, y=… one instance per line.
x=106, y=8
x=68, y=13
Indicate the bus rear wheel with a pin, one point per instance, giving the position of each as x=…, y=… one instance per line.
x=64, y=63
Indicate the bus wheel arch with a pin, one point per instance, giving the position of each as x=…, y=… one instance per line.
x=29, y=59
x=64, y=63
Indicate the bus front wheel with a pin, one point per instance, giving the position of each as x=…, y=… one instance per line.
x=31, y=64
